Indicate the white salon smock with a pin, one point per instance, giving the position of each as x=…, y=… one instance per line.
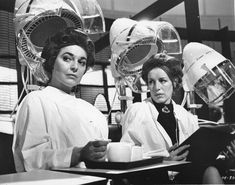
x=49, y=124
x=140, y=126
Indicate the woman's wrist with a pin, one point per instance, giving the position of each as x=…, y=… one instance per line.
x=76, y=156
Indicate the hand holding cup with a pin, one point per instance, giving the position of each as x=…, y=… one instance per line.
x=94, y=150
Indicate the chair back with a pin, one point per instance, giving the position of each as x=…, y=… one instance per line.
x=6, y=155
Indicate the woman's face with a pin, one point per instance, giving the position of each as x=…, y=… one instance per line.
x=69, y=67
x=160, y=86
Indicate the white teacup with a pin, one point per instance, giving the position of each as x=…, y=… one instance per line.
x=123, y=152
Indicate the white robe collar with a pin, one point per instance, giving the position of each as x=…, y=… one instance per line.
x=155, y=113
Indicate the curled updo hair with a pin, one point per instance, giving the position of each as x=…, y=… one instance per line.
x=171, y=65
x=67, y=37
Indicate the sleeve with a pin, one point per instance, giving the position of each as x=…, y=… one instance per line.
x=131, y=125
x=103, y=125
x=33, y=140
x=194, y=122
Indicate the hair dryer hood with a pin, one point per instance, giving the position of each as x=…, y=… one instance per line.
x=208, y=73
x=133, y=43
x=37, y=20
x=169, y=37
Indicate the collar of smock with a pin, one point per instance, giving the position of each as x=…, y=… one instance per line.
x=55, y=91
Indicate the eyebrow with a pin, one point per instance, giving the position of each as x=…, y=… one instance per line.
x=160, y=78
x=71, y=54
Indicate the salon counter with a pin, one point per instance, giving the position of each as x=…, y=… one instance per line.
x=46, y=177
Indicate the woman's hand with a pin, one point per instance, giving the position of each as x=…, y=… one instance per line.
x=178, y=154
x=94, y=150
x=231, y=150
x=230, y=155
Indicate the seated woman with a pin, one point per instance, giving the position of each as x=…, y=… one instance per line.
x=158, y=123
x=54, y=128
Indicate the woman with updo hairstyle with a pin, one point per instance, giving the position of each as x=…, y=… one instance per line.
x=158, y=124
x=54, y=128
x=69, y=37
x=170, y=65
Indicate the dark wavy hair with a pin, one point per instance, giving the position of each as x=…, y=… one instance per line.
x=171, y=65
x=67, y=37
